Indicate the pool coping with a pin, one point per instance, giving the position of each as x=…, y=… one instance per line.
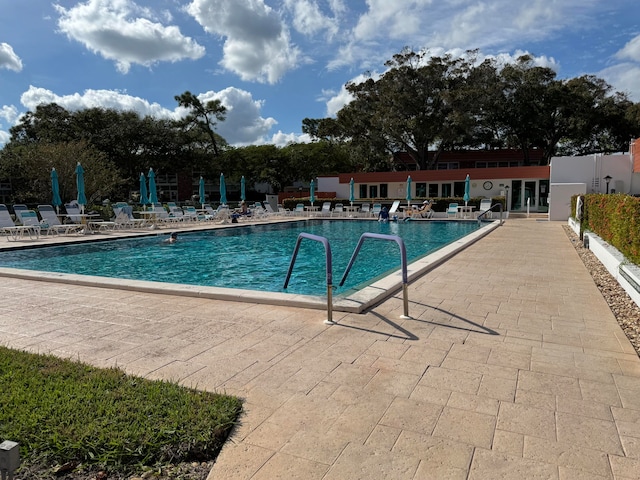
x=355, y=302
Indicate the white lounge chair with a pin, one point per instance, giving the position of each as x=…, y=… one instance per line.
x=365, y=210
x=13, y=231
x=124, y=217
x=394, y=208
x=452, y=209
x=325, y=211
x=299, y=210
x=52, y=222
x=375, y=210
x=338, y=210
x=18, y=208
x=485, y=204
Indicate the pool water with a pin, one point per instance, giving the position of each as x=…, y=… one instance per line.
x=254, y=257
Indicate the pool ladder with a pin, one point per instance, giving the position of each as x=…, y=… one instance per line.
x=329, y=267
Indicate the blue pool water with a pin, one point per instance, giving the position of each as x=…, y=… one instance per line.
x=254, y=257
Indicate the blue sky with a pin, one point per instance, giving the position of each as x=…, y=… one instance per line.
x=274, y=62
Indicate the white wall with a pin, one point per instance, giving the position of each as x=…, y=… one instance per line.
x=591, y=170
x=560, y=199
x=332, y=184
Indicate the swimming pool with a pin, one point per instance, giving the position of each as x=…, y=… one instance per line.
x=247, y=258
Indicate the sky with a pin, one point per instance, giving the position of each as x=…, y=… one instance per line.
x=273, y=63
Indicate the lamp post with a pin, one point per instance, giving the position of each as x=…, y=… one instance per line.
x=507, y=197
x=607, y=179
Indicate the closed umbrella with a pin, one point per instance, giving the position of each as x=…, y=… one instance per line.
x=55, y=188
x=312, y=192
x=82, y=199
x=153, y=192
x=223, y=190
x=409, y=190
x=243, y=196
x=201, y=192
x=144, y=198
x=466, y=190
x=352, y=195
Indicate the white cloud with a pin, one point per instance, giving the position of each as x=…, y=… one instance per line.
x=9, y=59
x=631, y=51
x=624, y=77
x=35, y=96
x=281, y=139
x=243, y=124
x=119, y=31
x=387, y=26
x=257, y=44
x=309, y=19
x=9, y=114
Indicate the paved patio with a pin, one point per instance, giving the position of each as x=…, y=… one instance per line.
x=512, y=366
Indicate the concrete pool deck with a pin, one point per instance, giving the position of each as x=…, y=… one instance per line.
x=513, y=366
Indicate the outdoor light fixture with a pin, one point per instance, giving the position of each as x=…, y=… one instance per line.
x=607, y=179
x=507, y=197
x=9, y=458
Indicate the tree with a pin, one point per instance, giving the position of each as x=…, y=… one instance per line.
x=203, y=118
x=29, y=168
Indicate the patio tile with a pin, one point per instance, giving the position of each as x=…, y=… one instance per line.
x=527, y=420
x=496, y=465
x=465, y=426
x=359, y=462
x=589, y=432
x=567, y=455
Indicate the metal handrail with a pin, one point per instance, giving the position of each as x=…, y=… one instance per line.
x=403, y=260
x=481, y=215
x=327, y=249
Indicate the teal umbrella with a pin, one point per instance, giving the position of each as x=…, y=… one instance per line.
x=82, y=199
x=153, y=192
x=223, y=190
x=409, y=190
x=243, y=197
x=352, y=195
x=312, y=192
x=144, y=199
x=55, y=188
x=466, y=190
x=201, y=193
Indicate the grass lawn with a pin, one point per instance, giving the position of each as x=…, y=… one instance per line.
x=68, y=413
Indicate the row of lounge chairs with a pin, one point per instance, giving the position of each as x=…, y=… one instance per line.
x=45, y=220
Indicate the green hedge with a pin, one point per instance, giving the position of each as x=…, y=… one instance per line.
x=616, y=219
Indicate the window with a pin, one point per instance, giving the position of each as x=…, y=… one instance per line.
x=433, y=190
x=421, y=190
x=373, y=191
x=384, y=190
x=446, y=189
x=458, y=189
x=363, y=191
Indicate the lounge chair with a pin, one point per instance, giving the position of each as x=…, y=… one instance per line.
x=485, y=206
x=394, y=208
x=365, y=210
x=270, y=211
x=338, y=210
x=18, y=208
x=452, y=209
x=425, y=211
x=124, y=217
x=14, y=232
x=29, y=218
x=375, y=210
x=299, y=210
x=325, y=211
x=53, y=224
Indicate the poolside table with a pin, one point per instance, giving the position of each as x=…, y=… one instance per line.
x=465, y=211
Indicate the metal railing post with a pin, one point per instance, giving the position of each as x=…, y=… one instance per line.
x=327, y=249
x=403, y=261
